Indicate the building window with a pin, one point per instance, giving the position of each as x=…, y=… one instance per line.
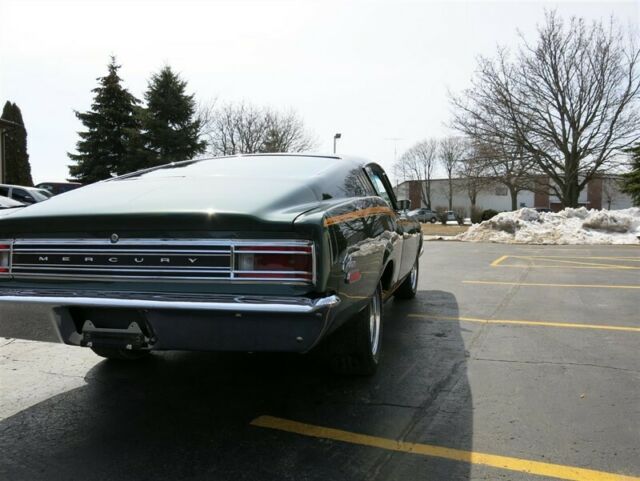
x=501, y=190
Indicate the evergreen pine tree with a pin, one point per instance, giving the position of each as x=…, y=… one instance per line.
x=17, y=167
x=631, y=180
x=170, y=131
x=108, y=145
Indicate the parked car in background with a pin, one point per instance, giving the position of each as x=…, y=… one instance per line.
x=270, y=252
x=424, y=215
x=26, y=195
x=447, y=216
x=58, y=187
x=8, y=203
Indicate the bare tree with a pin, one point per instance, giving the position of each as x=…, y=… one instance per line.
x=611, y=188
x=508, y=164
x=243, y=128
x=569, y=101
x=473, y=172
x=418, y=163
x=286, y=133
x=451, y=151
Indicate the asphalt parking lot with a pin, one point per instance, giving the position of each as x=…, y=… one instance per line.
x=513, y=363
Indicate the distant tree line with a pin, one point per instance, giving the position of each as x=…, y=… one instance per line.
x=460, y=157
x=122, y=134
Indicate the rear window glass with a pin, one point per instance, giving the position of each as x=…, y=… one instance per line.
x=264, y=166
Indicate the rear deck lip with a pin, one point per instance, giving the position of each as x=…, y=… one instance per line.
x=267, y=304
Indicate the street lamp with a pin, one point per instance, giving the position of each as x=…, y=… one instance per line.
x=335, y=138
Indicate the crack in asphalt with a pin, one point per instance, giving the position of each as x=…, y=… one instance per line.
x=10, y=341
x=426, y=410
x=556, y=363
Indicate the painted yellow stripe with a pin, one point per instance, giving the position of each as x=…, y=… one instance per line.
x=568, y=325
x=564, y=263
x=498, y=261
x=357, y=214
x=540, y=284
x=615, y=258
x=564, y=266
x=558, y=471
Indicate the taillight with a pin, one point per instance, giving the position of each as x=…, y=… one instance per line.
x=5, y=257
x=274, y=262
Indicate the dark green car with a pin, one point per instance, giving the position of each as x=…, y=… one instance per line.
x=248, y=253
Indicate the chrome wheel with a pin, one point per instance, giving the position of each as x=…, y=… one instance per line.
x=414, y=277
x=374, y=323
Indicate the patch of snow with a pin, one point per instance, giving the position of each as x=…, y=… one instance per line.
x=569, y=226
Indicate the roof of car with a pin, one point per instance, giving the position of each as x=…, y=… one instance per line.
x=18, y=186
x=57, y=183
x=290, y=165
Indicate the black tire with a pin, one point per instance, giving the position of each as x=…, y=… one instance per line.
x=409, y=286
x=120, y=354
x=354, y=350
x=433, y=220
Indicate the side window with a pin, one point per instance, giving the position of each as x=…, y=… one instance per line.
x=4, y=191
x=378, y=184
x=355, y=184
x=22, y=196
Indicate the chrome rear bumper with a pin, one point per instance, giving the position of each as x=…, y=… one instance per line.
x=300, y=305
x=177, y=321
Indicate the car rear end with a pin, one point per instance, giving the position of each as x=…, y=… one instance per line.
x=247, y=293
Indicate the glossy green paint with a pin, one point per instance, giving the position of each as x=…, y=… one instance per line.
x=247, y=197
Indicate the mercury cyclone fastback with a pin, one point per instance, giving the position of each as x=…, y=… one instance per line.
x=272, y=252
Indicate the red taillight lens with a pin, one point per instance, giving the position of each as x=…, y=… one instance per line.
x=281, y=262
x=274, y=262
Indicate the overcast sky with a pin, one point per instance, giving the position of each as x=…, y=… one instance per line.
x=373, y=71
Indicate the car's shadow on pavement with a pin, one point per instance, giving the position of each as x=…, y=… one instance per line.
x=187, y=415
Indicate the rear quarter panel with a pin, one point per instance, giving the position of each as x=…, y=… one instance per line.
x=360, y=239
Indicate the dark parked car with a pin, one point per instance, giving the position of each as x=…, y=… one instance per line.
x=58, y=187
x=252, y=253
x=425, y=215
x=26, y=195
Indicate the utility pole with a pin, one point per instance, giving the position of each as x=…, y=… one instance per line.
x=335, y=139
x=395, y=146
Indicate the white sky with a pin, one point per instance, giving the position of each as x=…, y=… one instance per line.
x=370, y=70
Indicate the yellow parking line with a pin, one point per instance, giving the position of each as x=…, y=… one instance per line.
x=540, y=284
x=527, y=466
x=615, y=258
x=566, y=263
x=569, y=325
x=498, y=261
x=548, y=266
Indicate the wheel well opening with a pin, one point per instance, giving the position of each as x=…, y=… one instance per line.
x=385, y=280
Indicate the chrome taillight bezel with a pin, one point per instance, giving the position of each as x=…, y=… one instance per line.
x=6, y=249
x=249, y=248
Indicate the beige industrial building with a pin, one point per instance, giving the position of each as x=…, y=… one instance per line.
x=601, y=193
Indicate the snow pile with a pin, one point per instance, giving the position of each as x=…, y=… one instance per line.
x=570, y=226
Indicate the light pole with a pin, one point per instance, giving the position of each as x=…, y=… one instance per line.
x=335, y=139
